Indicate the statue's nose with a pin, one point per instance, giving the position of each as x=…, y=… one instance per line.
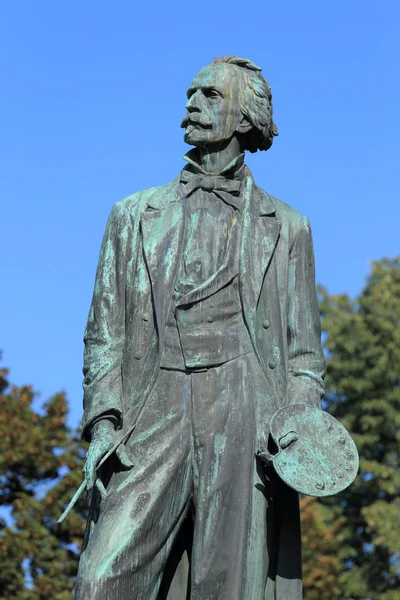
x=193, y=104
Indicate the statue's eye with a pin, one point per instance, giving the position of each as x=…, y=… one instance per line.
x=211, y=93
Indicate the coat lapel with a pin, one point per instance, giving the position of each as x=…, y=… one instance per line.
x=162, y=227
x=260, y=234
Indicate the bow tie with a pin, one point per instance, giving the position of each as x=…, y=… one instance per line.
x=228, y=190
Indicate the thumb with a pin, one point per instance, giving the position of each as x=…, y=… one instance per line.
x=124, y=458
x=266, y=457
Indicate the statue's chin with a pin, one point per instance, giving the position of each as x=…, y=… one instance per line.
x=196, y=136
x=193, y=138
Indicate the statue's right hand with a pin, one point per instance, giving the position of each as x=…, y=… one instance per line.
x=103, y=439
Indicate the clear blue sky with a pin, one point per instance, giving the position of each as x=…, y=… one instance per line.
x=92, y=94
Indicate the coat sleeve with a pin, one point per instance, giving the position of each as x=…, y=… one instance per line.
x=306, y=363
x=105, y=330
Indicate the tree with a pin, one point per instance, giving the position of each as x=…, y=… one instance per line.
x=362, y=342
x=320, y=562
x=40, y=462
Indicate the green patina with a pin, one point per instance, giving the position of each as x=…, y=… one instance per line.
x=150, y=432
x=250, y=278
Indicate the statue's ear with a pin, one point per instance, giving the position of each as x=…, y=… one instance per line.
x=244, y=125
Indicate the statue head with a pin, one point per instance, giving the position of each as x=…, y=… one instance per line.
x=226, y=98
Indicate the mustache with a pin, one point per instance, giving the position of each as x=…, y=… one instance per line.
x=195, y=119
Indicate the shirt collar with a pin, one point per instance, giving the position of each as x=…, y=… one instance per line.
x=233, y=170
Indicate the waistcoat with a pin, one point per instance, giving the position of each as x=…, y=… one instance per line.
x=205, y=325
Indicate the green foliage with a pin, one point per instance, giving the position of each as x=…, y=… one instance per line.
x=41, y=462
x=320, y=563
x=362, y=341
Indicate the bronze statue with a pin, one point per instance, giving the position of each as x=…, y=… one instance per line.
x=204, y=323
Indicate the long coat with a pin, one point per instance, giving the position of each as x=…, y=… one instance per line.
x=134, y=283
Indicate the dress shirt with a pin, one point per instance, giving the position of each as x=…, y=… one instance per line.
x=214, y=204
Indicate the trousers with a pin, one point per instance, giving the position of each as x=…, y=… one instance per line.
x=194, y=450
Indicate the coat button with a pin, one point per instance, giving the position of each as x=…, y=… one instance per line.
x=210, y=319
x=138, y=355
x=145, y=317
x=266, y=324
x=211, y=304
x=272, y=363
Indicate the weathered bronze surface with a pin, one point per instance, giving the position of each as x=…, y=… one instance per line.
x=204, y=323
x=316, y=455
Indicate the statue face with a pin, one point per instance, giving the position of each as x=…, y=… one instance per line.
x=213, y=109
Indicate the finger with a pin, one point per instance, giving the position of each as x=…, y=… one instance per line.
x=101, y=488
x=90, y=475
x=266, y=457
x=89, y=485
x=124, y=458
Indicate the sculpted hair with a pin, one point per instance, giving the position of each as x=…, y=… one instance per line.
x=256, y=102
